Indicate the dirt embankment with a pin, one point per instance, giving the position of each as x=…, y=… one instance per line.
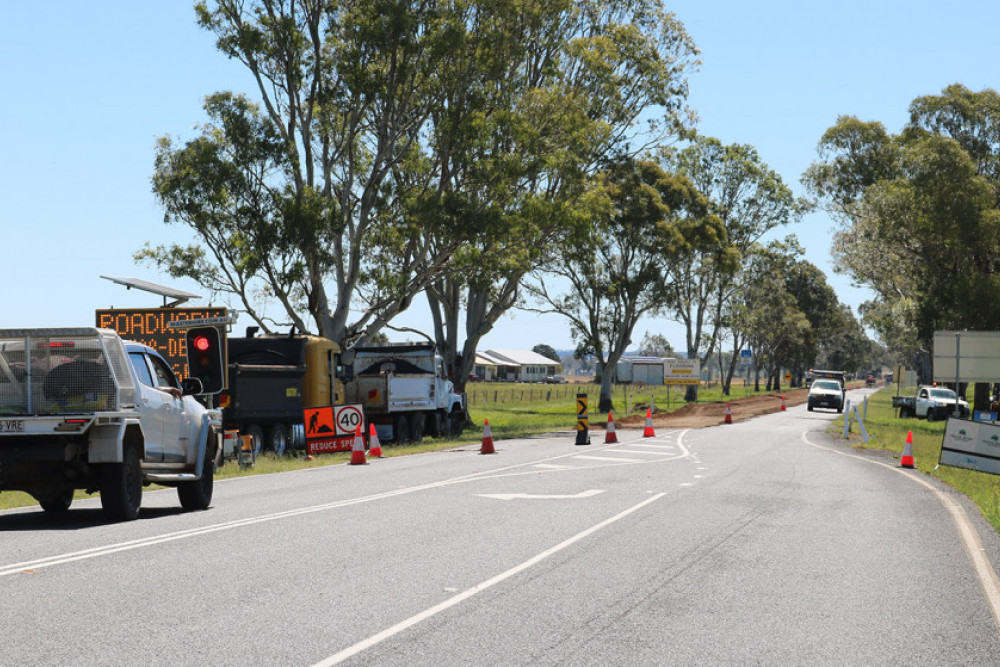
x=711, y=414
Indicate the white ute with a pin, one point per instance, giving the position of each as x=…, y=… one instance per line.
x=82, y=409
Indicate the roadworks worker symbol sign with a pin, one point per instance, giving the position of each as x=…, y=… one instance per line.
x=319, y=422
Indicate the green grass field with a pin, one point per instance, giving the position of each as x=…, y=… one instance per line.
x=517, y=410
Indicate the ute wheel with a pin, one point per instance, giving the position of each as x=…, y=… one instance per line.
x=198, y=495
x=278, y=439
x=121, y=487
x=257, y=434
x=930, y=415
x=810, y=407
x=59, y=503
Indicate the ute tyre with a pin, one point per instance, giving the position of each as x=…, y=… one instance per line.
x=277, y=440
x=257, y=434
x=58, y=504
x=930, y=415
x=198, y=495
x=121, y=487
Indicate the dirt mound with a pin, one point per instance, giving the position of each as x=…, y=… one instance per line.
x=711, y=414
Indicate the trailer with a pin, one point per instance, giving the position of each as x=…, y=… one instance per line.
x=272, y=379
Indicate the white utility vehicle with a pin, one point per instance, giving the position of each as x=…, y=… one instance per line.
x=932, y=402
x=82, y=409
x=824, y=393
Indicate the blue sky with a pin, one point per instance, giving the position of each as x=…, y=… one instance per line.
x=88, y=87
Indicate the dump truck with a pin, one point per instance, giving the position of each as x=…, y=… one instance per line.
x=82, y=409
x=405, y=391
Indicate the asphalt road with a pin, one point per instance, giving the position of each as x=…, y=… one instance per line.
x=765, y=542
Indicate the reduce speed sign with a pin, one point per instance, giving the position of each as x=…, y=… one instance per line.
x=332, y=428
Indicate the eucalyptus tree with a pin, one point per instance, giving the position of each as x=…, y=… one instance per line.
x=401, y=147
x=611, y=275
x=556, y=87
x=316, y=192
x=751, y=200
x=918, y=213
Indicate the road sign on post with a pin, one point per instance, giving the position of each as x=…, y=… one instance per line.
x=582, y=420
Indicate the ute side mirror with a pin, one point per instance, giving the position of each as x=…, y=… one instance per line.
x=192, y=387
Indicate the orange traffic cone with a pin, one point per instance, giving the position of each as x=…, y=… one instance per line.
x=906, y=460
x=487, y=447
x=783, y=404
x=374, y=448
x=729, y=415
x=648, y=431
x=358, y=457
x=609, y=435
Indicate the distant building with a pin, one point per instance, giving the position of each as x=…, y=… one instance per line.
x=514, y=366
x=635, y=369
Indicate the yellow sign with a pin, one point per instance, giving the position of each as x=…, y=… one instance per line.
x=681, y=371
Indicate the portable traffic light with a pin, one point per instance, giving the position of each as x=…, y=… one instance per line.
x=205, y=358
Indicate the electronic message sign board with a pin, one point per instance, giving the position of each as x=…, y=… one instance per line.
x=151, y=326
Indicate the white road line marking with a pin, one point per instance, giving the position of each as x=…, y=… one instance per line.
x=551, y=466
x=589, y=493
x=967, y=532
x=351, y=651
x=638, y=451
x=609, y=459
x=639, y=444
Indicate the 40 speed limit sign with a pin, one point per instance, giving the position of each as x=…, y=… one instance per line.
x=331, y=428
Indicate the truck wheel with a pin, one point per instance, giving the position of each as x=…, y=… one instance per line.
x=456, y=423
x=278, y=439
x=400, y=429
x=416, y=428
x=257, y=434
x=438, y=424
x=121, y=487
x=930, y=415
x=198, y=495
x=58, y=504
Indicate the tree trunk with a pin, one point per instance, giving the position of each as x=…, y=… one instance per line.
x=606, y=404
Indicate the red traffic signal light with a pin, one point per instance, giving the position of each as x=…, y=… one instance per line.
x=205, y=358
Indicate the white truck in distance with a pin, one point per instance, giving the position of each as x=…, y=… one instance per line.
x=82, y=409
x=405, y=391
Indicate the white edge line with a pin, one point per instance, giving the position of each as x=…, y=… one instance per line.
x=365, y=644
x=970, y=537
